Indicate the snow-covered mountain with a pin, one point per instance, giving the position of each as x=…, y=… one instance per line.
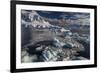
x=34, y=19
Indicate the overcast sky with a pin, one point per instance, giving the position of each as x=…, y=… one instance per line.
x=66, y=15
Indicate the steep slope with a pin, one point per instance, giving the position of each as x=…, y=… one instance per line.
x=34, y=19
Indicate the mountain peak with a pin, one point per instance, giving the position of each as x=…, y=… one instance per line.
x=36, y=19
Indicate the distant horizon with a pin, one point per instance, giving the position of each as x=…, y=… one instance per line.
x=76, y=17
x=61, y=15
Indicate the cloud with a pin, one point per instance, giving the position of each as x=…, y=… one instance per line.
x=64, y=16
x=83, y=19
x=27, y=58
x=77, y=18
x=71, y=15
x=81, y=16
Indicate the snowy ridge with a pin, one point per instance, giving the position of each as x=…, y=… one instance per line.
x=35, y=20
